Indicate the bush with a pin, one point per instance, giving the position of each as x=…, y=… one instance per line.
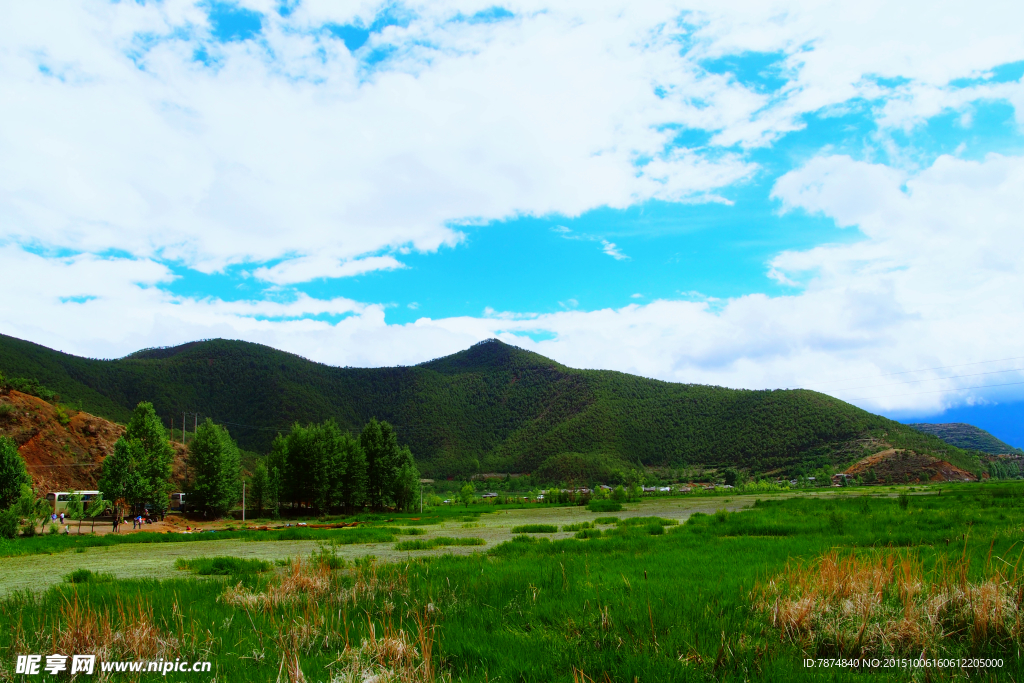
x=721, y=515
x=580, y=526
x=61, y=416
x=6, y=411
x=648, y=521
x=222, y=566
x=904, y=500
x=606, y=520
x=86, y=576
x=8, y=524
x=535, y=529
x=439, y=542
x=604, y=505
x=589, y=533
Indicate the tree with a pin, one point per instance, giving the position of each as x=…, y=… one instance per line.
x=13, y=474
x=619, y=494
x=76, y=509
x=352, y=488
x=155, y=455
x=216, y=464
x=380, y=444
x=731, y=476
x=121, y=482
x=407, y=481
x=8, y=523
x=31, y=508
x=466, y=494
x=260, y=484
x=96, y=507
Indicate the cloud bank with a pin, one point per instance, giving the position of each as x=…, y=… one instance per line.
x=135, y=139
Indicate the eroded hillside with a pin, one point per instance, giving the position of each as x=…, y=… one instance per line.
x=63, y=448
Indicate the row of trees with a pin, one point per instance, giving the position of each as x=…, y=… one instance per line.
x=318, y=467
x=321, y=467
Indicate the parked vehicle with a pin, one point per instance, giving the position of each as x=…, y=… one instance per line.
x=59, y=500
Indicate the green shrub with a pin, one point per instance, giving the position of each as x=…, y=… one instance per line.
x=6, y=411
x=903, y=500
x=9, y=524
x=86, y=576
x=534, y=529
x=604, y=505
x=439, y=542
x=589, y=533
x=648, y=521
x=696, y=518
x=579, y=526
x=523, y=538
x=222, y=566
x=61, y=415
x=721, y=515
x=606, y=520
x=327, y=555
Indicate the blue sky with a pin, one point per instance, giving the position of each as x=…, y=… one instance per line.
x=755, y=195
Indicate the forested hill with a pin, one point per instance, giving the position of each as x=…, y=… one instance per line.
x=967, y=436
x=492, y=407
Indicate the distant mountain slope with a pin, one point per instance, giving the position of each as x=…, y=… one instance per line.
x=492, y=407
x=967, y=436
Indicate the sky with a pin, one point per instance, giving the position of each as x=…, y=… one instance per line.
x=826, y=195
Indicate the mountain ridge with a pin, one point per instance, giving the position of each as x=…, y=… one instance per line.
x=491, y=407
x=967, y=436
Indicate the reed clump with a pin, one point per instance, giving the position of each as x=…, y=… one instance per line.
x=887, y=603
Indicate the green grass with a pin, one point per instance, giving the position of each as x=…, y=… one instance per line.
x=535, y=529
x=580, y=526
x=622, y=606
x=87, y=576
x=221, y=566
x=606, y=520
x=439, y=542
x=604, y=505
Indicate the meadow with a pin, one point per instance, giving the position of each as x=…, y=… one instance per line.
x=664, y=591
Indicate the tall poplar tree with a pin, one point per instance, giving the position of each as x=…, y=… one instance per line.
x=156, y=453
x=380, y=444
x=121, y=480
x=216, y=463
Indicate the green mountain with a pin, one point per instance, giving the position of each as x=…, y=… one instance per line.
x=492, y=407
x=967, y=436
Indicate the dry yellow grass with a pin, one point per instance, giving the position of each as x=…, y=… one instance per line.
x=887, y=603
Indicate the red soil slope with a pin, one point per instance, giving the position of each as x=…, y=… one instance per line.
x=62, y=457
x=894, y=466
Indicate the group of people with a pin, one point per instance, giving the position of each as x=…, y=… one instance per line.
x=53, y=520
x=138, y=520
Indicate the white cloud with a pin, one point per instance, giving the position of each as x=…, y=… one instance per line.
x=292, y=151
x=291, y=148
x=935, y=282
x=612, y=250
x=323, y=266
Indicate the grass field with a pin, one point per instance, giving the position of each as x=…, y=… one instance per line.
x=661, y=594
